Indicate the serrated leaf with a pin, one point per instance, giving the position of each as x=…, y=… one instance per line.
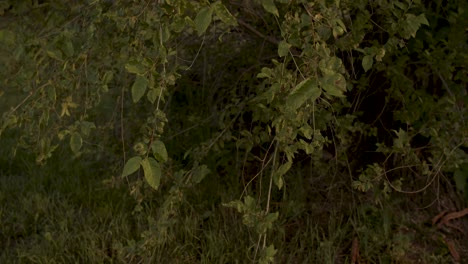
x=152, y=172
x=367, y=62
x=305, y=90
x=139, y=88
x=223, y=13
x=203, y=20
x=269, y=6
x=159, y=151
x=132, y=165
x=76, y=142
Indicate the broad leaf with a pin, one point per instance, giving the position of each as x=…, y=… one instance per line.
x=200, y=173
x=135, y=67
x=132, y=165
x=139, y=88
x=334, y=84
x=283, y=48
x=203, y=20
x=76, y=142
x=159, y=151
x=412, y=24
x=278, y=176
x=223, y=13
x=269, y=6
x=305, y=90
x=367, y=62
x=152, y=172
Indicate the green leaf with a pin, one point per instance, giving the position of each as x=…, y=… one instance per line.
x=278, y=176
x=139, y=88
x=76, y=142
x=412, y=24
x=86, y=127
x=367, y=62
x=223, y=13
x=132, y=165
x=269, y=256
x=461, y=177
x=334, y=84
x=159, y=151
x=55, y=54
x=108, y=76
x=67, y=48
x=269, y=94
x=200, y=173
x=269, y=6
x=265, y=73
x=51, y=93
x=203, y=20
x=135, y=67
x=283, y=48
x=152, y=172
x=267, y=222
x=153, y=94
x=7, y=37
x=305, y=90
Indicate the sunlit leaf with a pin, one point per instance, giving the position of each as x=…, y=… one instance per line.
x=152, y=172
x=203, y=20
x=139, y=88
x=132, y=165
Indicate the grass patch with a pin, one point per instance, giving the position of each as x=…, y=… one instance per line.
x=74, y=217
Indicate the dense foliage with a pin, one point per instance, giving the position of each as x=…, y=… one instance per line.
x=259, y=106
